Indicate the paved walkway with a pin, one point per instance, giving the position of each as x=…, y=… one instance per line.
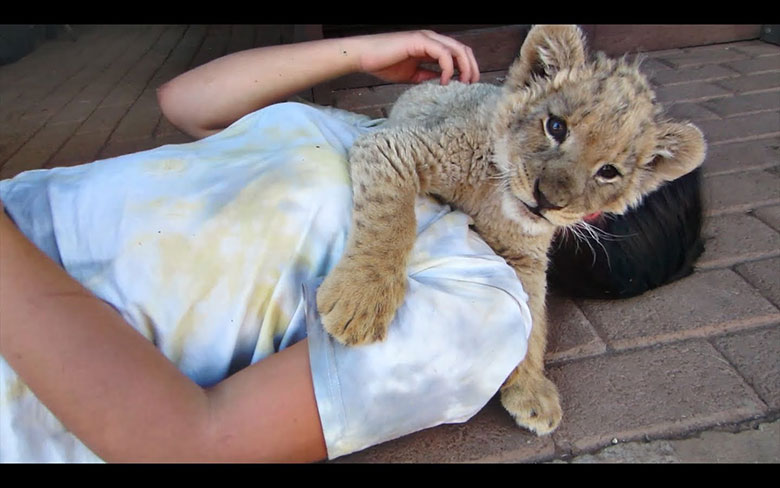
x=688, y=360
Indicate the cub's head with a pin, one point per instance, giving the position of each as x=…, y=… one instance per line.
x=573, y=137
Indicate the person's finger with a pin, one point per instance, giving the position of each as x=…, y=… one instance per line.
x=473, y=76
x=467, y=63
x=441, y=52
x=424, y=75
x=475, y=66
x=456, y=51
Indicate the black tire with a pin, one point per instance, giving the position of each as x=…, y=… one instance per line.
x=16, y=41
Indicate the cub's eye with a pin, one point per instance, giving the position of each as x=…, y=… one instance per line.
x=608, y=172
x=556, y=127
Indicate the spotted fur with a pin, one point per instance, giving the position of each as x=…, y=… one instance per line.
x=493, y=153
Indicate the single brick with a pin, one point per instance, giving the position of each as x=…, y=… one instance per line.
x=123, y=94
x=743, y=127
x=102, y=120
x=140, y=120
x=570, y=334
x=741, y=156
x=764, y=275
x=167, y=41
x=44, y=58
x=97, y=90
x=375, y=112
x=650, y=65
x=269, y=34
x=56, y=89
x=489, y=436
x=70, y=89
x=144, y=68
x=164, y=128
x=493, y=77
x=655, y=452
x=752, y=83
x=759, y=445
x=138, y=76
x=706, y=72
x=703, y=304
x=769, y=215
x=653, y=392
x=48, y=106
x=736, y=238
x=689, y=111
x=24, y=104
x=702, y=55
x=12, y=140
x=35, y=153
x=175, y=138
x=241, y=37
x=756, y=65
x=180, y=57
x=756, y=355
x=690, y=92
x=119, y=148
x=91, y=96
x=213, y=46
x=79, y=149
x=177, y=61
x=97, y=39
x=662, y=54
x=757, y=48
x=77, y=110
x=744, y=104
x=365, y=98
x=14, y=102
x=26, y=122
x=740, y=192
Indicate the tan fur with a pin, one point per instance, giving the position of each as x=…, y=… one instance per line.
x=483, y=149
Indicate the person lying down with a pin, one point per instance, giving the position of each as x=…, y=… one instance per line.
x=213, y=251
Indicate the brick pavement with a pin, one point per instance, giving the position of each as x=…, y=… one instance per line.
x=697, y=355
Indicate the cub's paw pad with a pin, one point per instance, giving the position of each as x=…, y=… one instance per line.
x=356, y=306
x=535, y=407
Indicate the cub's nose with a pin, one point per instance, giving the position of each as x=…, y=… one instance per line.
x=542, y=203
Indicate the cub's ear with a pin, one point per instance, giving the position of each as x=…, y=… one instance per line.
x=680, y=148
x=546, y=50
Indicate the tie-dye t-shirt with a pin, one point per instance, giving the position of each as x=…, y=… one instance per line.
x=213, y=250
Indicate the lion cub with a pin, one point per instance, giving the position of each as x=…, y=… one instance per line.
x=563, y=138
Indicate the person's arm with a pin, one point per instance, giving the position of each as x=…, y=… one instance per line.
x=115, y=391
x=210, y=97
x=109, y=385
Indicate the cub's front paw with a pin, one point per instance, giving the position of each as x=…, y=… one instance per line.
x=357, y=301
x=533, y=404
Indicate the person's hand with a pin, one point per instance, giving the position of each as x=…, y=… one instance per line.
x=397, y=57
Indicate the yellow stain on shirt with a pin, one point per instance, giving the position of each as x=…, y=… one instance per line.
x=15, y=390
x=236, y=257
x=167, y=208
x=164, y=166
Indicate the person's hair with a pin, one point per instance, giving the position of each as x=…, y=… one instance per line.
x=623, y=256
